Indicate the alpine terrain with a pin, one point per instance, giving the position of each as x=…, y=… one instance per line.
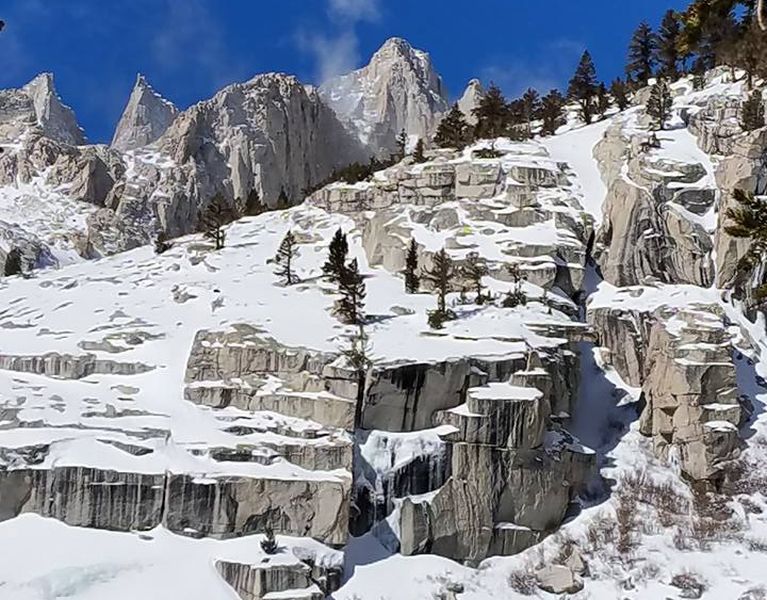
x=360, y=341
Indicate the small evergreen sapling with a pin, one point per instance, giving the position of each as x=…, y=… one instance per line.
x=358, y=355
x=515, y=296
x=13, y=263
x=284, y=259
x=603, y=100
x=161, y=243
x=401, y=142
x=440, y=275
x=474, y=270
x=351, y=285
x=748, y=220
x=619, y=91
x=659, y=103
x=336, y=263
x=213, y=219
x=753, y=112
x=269, y=543
x=411, y=267
x=531, y=109
x=552, y=113
x=418, y=155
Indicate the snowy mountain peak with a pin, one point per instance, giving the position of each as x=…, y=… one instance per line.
x=471, y=98
x=399, y=89
x=56, y=120
x=145, y=118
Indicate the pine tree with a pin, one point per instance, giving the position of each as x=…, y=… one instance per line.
x=161, y=243
x=401, y=143
x=358, y=355
x=552, y=113
x=253, y=205
x=668, y=46
x=659, y=103
x=213, y=219
x=418, y=152
x=642, y=54
x=492, y=114
x=351, y=285
x=531, y=108
x=750, y=53
x=13, y=263
x=283, y=201
x=515, y=296
x=269, y=543
x=583, y=87
x=619, y=92
x=453, y=130
x=753, y=112
x=284, y=259
x=440, y=275
x=335, y=265
x=474, y=270
x=603, y=100
x=749, y=221
x=411, y=267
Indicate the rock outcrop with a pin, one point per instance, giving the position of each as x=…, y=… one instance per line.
x=145, y=118
x=470, y=100
x=398, y=90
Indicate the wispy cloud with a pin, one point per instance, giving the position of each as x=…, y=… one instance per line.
x=337, y=52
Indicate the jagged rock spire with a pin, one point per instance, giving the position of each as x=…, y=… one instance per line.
x=145, y=118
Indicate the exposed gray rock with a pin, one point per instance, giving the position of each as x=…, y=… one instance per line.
x=145, y=118
x=558, y=579
x=470, y=100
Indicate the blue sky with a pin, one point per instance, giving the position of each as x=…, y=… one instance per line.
x=190, y=48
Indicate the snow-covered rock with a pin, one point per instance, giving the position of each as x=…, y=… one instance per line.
x=398, y=90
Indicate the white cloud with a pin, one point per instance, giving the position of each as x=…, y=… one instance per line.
x=337, y=52
x=355, y=10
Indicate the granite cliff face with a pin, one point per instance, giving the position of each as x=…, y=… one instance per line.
x=145, y=118
x=398, y=90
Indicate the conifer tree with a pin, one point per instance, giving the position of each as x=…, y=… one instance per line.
x=619, y=92
x=440, y=275
x=515, y=296
x=659, y=103
x=642, y=54
x=284, y=259
x=213, y=219
x=351, y=285
x=453, y=130
x=753, y=112
x=492, y=114
x=13, y=263
x=668, y=46
x=474, y=270
x=418, y=152
x=358, y=355
x=283, y=201
x=531, y=108
x=401, y=143
x=552, y=113
x=252, y=205
x=161, y=243
x=603, y=102
x=750, y=53
x=269, y=543
x=335, y=265
x=583, y=87
x=749, y=221
x=411, y=267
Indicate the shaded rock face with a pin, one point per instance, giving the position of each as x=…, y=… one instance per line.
x=297, y=581
x=145, y=118
x=647, y=234
x=512, y=472
x=683, y=361
x=399, y=89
